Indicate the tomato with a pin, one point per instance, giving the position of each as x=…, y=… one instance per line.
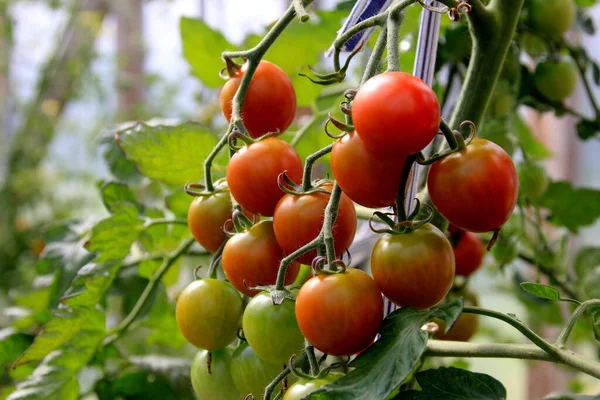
x=252, y=257
x=304, y=387
x=208, y=313
x=556, y=80
x=505, y=250
x=465, y=326
x=252, y=174
x=468, y=251
x=272, y=330
x=552, y=18
x=218, y=385
x=414, y=269
x=533, y=179
x=270, y=104
x=206, y=217
x=298, y=221
x=251, y=374
x=375, y=183
x=476, y=188
x=395, y=114
x=340, y=314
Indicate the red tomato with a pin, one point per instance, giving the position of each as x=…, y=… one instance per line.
x=468, y=251
x=414, y=269
x=270, y=104
x=253, y=257
x=368, y=180
x=476, y=188
x=252, y=174
x=395, y=114
x=298, y=221
x=340, y=314
x=206, y=217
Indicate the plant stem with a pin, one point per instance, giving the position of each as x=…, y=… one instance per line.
x=287, y=260
x=122, y=327
x=300, y=10
x=401, y=214
x=449, y=135
x=211, y=157
x=331, y=212
x=393, y=27
x=561, y=341
x=310, y=160
x=312, y=359
x=165, y=221
x=301, y=359
x=375, y=58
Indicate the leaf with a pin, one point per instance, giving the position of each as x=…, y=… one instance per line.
x=116, y=192
x=454, y=383
x=162, y=321
x=587, y=268
x=587, y=129
x=178, y=201
x=12, y=344
x=56, y=376
x=534, y=149
x=171, y=154
x=541, y=291
x=380, y=369
x=202, y=48
x=571, y=207
x=112, y=237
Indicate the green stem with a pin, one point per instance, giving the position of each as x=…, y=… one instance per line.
x=312, y=359
x=300, y=10
x=449, y=135
x=393, y=27
x=310, y=160
x=298, y=362
x=124, y=325
x=561, y=341
x=211, y=157
x=159, y=257
x=287, y=260
x=375, y=59
x=165, y=221
x=401, y=214
x=331, y=212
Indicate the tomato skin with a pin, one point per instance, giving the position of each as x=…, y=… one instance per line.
x=468, y=253
x=218, y=385
x=206, y=217
x=414, y=269
x=340, y=314
x=375, y=183
x=252, y=174
x=270, y=104
x=304, y=387
x=552, y=18
x=476, y=188
x=253, y=256
x=208, y=313
x=395, y=114
x=272, y=330
x=556, y=80
x=250, y=373
x=465, y=326
x=298, y=220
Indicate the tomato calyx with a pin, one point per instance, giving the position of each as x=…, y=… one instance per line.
x=321, y=374
x=456, y=141
x=345, y=128
x=334, y=267
x=290, y=187
x=236, y=135
x=230, y=69
x=198, y=189
x=336, y=76
x=401, y=227
x=453, y=12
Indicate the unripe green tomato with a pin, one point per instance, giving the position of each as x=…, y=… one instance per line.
x=218, y=385
x=533, y=180
x=505, y=250
x=533, y=44
x=556, y=80
x=552, y=18
x=495, y=131
x=251, y=374
x=304, y=387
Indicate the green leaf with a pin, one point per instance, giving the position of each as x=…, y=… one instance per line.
x=380, y=369
x=541, y=291
x=56, y=376
x=12, y=344
x=116, y=192
x=163, y=324
x=112, y=237
x=587, y=129
x=202, y=48
x=585, y=3
x=587, y=268
x=534, y=149
x=171, y=154
x=453, y=383
x=571, y=207
x=178, y=201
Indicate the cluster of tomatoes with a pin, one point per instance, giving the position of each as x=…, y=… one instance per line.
x=338, y=311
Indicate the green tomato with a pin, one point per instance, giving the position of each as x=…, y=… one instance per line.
x=555, y=80
x=552, y=18
x=503, y=100
x=533, y=180
x=218, y=385
x=251, y=374
x=533, y=44
x=505, y=250
x=304, y=387
x=272, y=330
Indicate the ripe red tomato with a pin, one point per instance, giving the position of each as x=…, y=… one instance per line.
x=414, y=269
x=395, y=114
x=476, y=188
x=375, y=183
x=206, y=217
x=304, y=387
x=272, y=330
x=298, y=221
x=253, y=257
x=252, y=174
x=468, y=251
x=465, y=326
x=270, y=103
x=208, y=313
x=340, y=314
x=218, y=384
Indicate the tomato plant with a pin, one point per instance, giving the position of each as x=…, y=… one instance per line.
x=270, y=89
x=252, y=174
x=217, y=382
x=207, y=216
x=414, y=269
x=468, y=251
x=551, y=18
x=375, y=183
x=340, y=314
x=213, y=325
x=395, y=114
x=251, y=258
x=555, y=79
x=250, y=373
x=272, y=330
x=298, y=219
x=475, y=188
x=304, y=387
x=465, y=326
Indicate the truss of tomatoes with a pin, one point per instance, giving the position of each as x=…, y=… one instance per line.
x=339, y=312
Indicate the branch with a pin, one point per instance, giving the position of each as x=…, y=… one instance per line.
x=583, y=307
